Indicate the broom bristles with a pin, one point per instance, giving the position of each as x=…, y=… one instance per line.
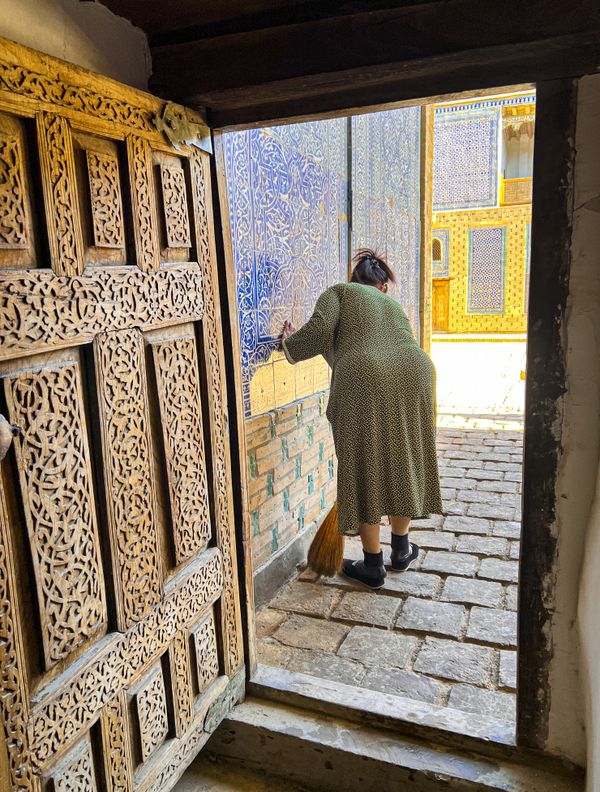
x=326, y=553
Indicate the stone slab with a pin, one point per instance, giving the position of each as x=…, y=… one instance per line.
x=450, y=563
x=379, y=648
x=325, y=666
x=493, y=625
x=480, y=496
x=363, y=607
x=403, y=683
x=417, y=583
x=458, y=483
x=509, y=529
x=499, y=486
x=484, y=702
x=460, y=662
x=474, y=592
x=484, y=475
x=515, y=550
x=471, y=525
x=493, y=511
x=428, y=523
x=454, y=508
x=312, y=599
x=431, y=616
x=272, y=653
x=512, y=593
x=496, y=569
x=305, y=632
x=507, y=677
x=267, y=620
x=483, y=545
x=442, y=540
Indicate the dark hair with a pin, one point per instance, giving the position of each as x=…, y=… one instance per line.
x=370, y=269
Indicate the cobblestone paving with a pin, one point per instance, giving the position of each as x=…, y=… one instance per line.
x=445, y=632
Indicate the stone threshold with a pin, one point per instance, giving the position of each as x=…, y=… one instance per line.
x=328, y=753
x=443, y=725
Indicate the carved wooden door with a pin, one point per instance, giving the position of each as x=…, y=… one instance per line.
x=440, y=300
x=120, y=641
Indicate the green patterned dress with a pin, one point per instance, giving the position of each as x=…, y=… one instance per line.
x=381, y=404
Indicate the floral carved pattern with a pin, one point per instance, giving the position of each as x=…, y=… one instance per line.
x=13, y=227
x=105, y=196
x=179, y=661
x=41, y=311
x=207, y=656
x=60, y=194
x=115, y=741
x=77, y=773
x=139, y=155
x=175, y=209
x=53, y=460
x=128, y=471
x=13, y=704
x=34, y=85
x=61, y=716
x=221, y=463
x=152, y=713
x=178, y=380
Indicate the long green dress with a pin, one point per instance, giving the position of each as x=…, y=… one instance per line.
x=381, y=404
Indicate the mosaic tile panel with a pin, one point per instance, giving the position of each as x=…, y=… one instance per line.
x=386, y=196
x=485, y=288
x=440, y=258
x=287, y=190
x=465, y=158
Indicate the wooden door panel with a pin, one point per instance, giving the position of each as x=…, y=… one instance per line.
x=120, y=629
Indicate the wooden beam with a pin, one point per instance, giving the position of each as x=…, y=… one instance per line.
x=197, y=70
x=556, y=103
x=382, y=87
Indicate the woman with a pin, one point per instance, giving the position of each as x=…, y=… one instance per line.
x=382, y=411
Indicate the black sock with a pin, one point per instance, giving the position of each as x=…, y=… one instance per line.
x=400, y=544
x=373, y=559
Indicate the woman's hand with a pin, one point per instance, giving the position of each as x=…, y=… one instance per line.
x=288, y=330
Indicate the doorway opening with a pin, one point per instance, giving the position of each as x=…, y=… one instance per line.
x=444, y=191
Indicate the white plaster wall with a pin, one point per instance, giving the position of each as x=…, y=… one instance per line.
x=84, y=33
x=585, y=336
x=577, y=524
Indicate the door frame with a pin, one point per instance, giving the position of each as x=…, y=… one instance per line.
x=545, y=386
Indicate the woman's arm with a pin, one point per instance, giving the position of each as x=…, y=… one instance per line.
x=316, y=337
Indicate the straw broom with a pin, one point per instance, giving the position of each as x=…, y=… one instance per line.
x=326, y=553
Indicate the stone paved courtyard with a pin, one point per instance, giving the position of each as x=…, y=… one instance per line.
x=444, y=632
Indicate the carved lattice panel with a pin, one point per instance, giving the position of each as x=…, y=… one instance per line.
x=118, y=762
x=53, y=461
x=130, y=488
x=181, y=681
x=177, y=376
x=174, y=200
x=151, y=710
x=105, y=196
x=75, y=773
x=143, y=202
x=206, y=652
x=55, y=144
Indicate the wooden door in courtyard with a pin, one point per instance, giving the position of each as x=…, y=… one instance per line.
x=120, y=637
x=440, y=305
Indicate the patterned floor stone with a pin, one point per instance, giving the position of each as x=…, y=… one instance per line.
x=403, y=683
x=493, y=626
x=484, y=702
x=443, y=631
x=378, y=648
x=460, y=662
x=474, y=592
x=426, y=616
x=305, y=632
x=362, y=607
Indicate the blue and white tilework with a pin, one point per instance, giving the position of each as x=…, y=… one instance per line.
x=287, y=192
x=441, y=268
x=485, y=285
x=386, y=196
